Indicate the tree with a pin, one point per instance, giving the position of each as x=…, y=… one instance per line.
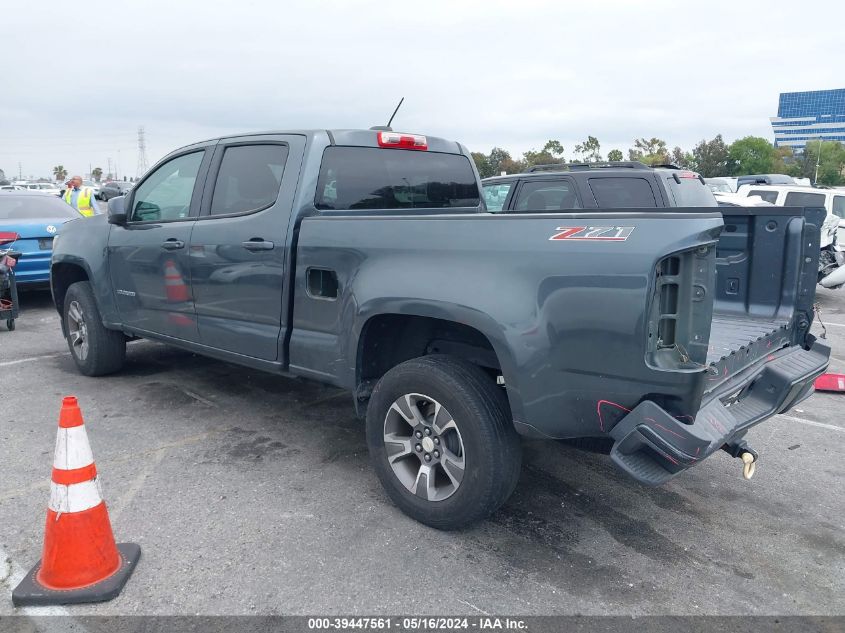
x=589, y=151
x=681, y=158
x=710, y=158
x=831, y=164
x=59, y=172
x=552, y=153
x=752, y=155
x=499, y=160
x=97, y=172
x=615, y=155
x=649, y=151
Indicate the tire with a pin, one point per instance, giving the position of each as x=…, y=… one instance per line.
x=104, y=349
x=483, y=436
x=10, y=323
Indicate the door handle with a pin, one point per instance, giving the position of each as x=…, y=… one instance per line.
x=172, y=244
x=257, y=244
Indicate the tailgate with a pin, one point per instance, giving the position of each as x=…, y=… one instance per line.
x=766, y=270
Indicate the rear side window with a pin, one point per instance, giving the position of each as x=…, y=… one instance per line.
x=495, y=195
x=768, y=196
x=839, y=206
x=249, y=178
x=621, y=193
x=801, y=199
x=374, y=178
x=690, y=192
x=547, y=195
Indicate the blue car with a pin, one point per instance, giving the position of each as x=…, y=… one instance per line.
x=36, y=218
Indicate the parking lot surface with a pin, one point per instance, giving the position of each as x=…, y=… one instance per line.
x=252, y=494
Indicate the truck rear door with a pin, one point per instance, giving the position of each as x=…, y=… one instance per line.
x=239, y=244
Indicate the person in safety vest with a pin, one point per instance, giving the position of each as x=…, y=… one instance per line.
x=81, y=198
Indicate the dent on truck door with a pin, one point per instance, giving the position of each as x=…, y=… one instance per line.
x=238, y=246
x=148, y=260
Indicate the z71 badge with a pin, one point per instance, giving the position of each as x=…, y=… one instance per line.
x=595, y=233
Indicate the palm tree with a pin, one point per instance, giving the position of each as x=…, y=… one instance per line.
x=97, y=173
x=60, y=172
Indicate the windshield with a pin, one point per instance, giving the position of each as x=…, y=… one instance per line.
x=495, y=195
x=33, y=207
x=373, y=178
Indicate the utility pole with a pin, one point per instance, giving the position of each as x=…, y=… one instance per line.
x=142, y=153
x=110, y=175
x=818, y=160
x=20, y=171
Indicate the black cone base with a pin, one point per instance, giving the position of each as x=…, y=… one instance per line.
x=30, y=593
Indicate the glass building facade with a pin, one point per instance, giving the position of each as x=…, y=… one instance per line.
x=809, y=116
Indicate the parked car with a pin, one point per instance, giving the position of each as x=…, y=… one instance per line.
x=365, y=259
x=93, y=186
x=736, y=200
x=764, y=179
x=43, y=187
x=832, y=259
x=721, y=185
x=37, y=218
x=613, y=185
x=12, y=188
x=113, y=189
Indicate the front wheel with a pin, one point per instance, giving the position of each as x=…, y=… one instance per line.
x=96, y=350
x=442, y=442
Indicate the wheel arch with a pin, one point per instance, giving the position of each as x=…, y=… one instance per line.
x=387, y=338
x=63, y=275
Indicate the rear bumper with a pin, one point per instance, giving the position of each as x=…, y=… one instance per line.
x=33, y=267
x=653, y=446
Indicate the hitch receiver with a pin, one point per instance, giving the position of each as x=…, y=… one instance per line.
x=748, y=456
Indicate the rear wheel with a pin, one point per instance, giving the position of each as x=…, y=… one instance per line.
x=96, y=350
x=441, y=441
x=10, y=323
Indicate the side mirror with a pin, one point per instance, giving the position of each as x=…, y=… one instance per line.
x=117, y=210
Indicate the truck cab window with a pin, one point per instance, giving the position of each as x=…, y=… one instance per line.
x=495, y=195
x=839, y=206
x=249, y=178
x=801, y=199
x=545, y=195
x=768, y=196
x=374, y=178
x=622, y=193
x=166, y=193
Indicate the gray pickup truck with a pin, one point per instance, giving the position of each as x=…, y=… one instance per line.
x=366, y=259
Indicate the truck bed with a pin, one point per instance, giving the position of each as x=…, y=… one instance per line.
x=731, y=333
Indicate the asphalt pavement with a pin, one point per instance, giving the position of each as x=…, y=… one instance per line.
x=252, y=494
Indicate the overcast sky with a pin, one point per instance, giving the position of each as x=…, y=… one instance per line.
x=78, y=79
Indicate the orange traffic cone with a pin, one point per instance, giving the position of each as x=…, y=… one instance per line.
x=175, y=288
x=81, y=562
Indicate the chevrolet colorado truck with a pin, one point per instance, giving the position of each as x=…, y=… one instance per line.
x=366, y=259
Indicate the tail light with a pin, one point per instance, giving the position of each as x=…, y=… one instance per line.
x=397, y=140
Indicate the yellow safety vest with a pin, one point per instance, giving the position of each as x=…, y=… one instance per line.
x=83, y=201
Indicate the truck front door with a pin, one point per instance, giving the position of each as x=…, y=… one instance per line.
x=238, y=247
x=148, y=256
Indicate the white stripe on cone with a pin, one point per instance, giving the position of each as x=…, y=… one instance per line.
x=72, y=449
x=76, y=497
